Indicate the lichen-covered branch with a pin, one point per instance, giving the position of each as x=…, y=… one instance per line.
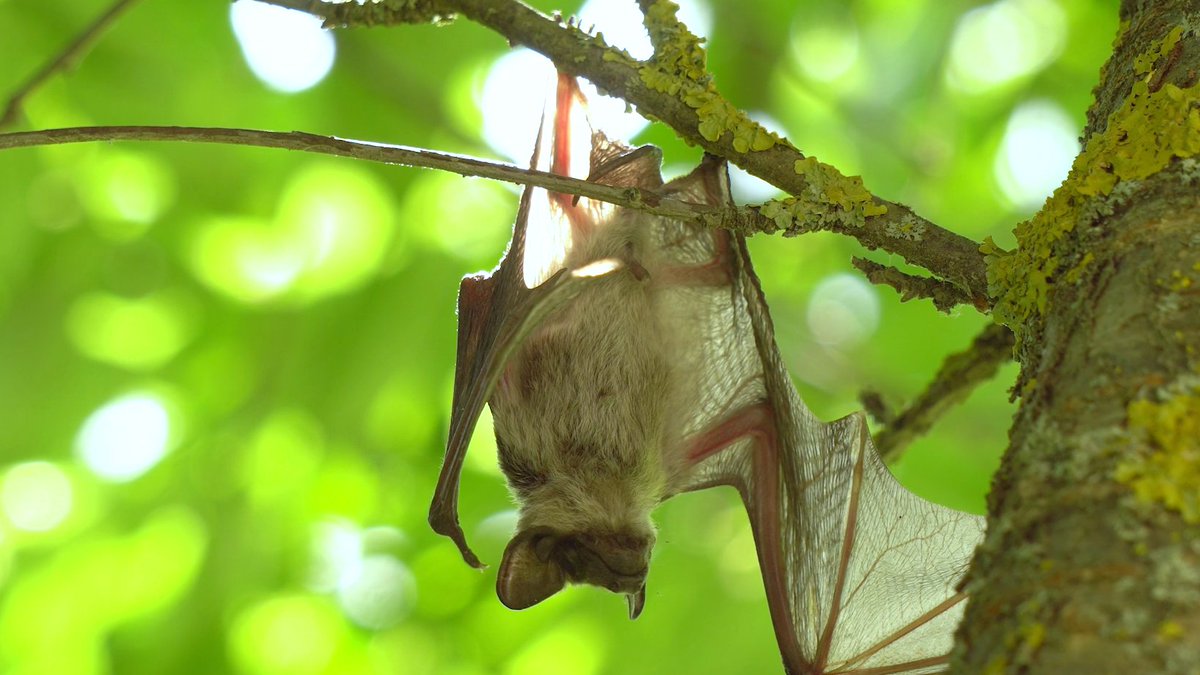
x=945, y=296
x=955, y=380
x=675, y=87
x=63, y=60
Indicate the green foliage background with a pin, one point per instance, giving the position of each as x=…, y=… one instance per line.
x=308, y=421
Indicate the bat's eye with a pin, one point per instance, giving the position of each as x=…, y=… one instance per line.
x=521, y=476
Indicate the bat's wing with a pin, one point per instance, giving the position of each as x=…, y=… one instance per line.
x=861, y=575
x=537, y=276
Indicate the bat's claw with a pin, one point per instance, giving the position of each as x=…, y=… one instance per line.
x=637, y=602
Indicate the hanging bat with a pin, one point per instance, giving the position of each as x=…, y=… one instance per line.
x=629, y=358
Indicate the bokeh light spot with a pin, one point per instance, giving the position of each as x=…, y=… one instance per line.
x=337, y=552
x=517, y=90
x=36, y=496
x=126, y=437
x=287, y=635
x=283, y=457
x=331, y=234
x=124, y=192
x=139, y=334
x=446, y=587
x=825, y=51
x=571, y=648
x=461, y=218
x=843, y=311
x=287, y=50
x=379, y=594
x=998, y=43
x=1036, y=154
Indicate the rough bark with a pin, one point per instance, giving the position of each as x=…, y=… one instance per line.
x=1092, y=558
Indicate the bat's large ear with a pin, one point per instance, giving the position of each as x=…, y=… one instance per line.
x=528, y=573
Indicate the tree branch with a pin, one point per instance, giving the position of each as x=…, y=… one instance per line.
x=64, y=60
x=957, y=378
x=945, y=296
x=631, y=197
x=675, y=88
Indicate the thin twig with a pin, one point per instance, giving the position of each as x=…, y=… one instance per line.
x=957, y=378
x=947, y=255
x=643, y=200
x=945, y=296
x=64, y=60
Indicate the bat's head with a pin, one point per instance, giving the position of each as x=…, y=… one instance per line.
x=538, y=562
x=584, y=519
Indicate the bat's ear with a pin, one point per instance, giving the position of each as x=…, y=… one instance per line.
x=528, y=574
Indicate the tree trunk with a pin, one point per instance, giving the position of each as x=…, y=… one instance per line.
x=1092, y=558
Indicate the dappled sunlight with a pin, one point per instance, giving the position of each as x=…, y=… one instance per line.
x=286, y=634
x=138, y=334
x=362, y=570
x=843, y=311
x=520, y=82
x=126, y=437
x=1001, y=42
x=1038, y=149
x=570, y=647
x=827, y=52
x=124, y=193
x=282, y=457
x=36, y=496
x=465, y=219
x=287, y=50
x=379, y=593
x=58, y=615
x=331, y=234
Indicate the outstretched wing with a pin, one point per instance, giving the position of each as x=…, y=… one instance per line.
x=860, y=573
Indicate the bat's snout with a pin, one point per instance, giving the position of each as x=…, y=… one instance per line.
x=538, y=562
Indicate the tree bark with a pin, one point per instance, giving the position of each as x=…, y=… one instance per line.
x=1092, y=557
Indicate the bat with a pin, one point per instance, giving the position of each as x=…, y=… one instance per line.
x=628, y=358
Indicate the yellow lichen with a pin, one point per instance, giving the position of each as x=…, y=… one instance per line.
x=1170, y=631
x=829, y=199
x=679, y=67
x=1168, y=472
x=1144, y=63
x=1142, y=138
x=1076, y=272
x=1179, y=281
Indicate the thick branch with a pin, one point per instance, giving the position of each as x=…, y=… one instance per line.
x=957, y=378
x=64, y=60
x=948, y=255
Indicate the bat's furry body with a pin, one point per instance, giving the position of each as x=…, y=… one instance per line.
x=579, y=411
